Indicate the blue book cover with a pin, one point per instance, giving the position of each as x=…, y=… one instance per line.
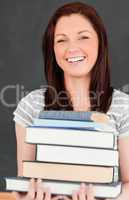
x=66, y=115
x=91, y=116
x=71, y=124
x=73, y=115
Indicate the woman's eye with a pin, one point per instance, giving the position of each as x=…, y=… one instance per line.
x=84, y=37
x=59, y=41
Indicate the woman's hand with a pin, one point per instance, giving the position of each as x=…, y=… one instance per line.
x=85, y=193
x=36, y=192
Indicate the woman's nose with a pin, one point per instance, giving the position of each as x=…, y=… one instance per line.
x=73, y=50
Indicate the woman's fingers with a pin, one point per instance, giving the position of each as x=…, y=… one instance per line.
x=83, y=192
x=47, y=194
x=30, y=195
x=90, y=193
x=42, y=193
x=39, y=190
x=32, y=190
x=36, y=192
x=75, y=195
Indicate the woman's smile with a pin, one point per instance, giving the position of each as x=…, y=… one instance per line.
x=76, y=59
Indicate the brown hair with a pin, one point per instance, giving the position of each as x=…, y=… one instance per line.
x=100, y=76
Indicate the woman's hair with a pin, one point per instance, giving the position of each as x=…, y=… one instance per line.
x=56, y=96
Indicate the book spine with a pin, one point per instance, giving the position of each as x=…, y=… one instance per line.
x=68, y=115
x=115, y=174
x=2, y=184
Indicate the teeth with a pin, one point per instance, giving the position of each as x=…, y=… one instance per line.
x=75, y=59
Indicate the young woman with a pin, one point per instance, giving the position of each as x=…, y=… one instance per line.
x=75, y=50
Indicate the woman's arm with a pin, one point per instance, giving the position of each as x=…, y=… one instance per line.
x=24, y=151
x=123, y=145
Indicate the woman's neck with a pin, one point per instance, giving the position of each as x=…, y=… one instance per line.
x=78, y=89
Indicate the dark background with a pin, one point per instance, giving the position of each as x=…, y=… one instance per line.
x=22, y=23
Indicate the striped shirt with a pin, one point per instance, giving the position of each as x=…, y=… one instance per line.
x=32, y=104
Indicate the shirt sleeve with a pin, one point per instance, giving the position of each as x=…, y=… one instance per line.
x=123, y=124
x=28, y=108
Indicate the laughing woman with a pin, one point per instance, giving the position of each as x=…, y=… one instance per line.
x=75, y=50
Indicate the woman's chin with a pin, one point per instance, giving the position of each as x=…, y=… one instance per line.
x=77, y=74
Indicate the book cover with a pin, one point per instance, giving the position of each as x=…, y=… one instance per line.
x=73, y=124
x=75, y=115
x=59, y=187
x=84, y=138
x=77, y=155
x=69, y=172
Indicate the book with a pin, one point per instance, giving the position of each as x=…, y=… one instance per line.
x=75, y=115
x=72, y=124
x=59, y=187
x=69, y=172
x=84, y=138
x=77, y=155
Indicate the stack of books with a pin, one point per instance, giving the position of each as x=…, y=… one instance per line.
x=73, y=147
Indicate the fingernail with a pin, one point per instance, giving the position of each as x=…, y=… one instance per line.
x=91, y=189
x=83, y=185
x=39, y=180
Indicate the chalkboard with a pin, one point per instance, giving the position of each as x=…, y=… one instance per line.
x=22, y=23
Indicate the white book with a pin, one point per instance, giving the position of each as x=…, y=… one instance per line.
x=77, y=155
x=84, y=138
x=58, y=187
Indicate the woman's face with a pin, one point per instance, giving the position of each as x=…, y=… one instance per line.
x=75, y=45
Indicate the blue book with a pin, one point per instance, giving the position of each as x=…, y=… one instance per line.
x=75, y=115
x=72, y=124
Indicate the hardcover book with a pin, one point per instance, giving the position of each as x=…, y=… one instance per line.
x=77, y=155
x=60, y=187
x=84, y=138
x=69, y=172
